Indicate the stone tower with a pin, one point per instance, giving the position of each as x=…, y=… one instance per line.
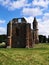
x=35, y=31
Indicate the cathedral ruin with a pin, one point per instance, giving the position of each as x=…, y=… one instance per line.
x=20, y=34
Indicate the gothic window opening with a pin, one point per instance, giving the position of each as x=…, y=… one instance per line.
x=19, y=20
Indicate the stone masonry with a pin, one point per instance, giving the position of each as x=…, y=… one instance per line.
x=19, y=33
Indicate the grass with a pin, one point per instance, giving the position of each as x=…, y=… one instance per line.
x=39, y=55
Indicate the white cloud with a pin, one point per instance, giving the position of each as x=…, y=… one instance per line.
x=46, y=16
x=12, y=5
x=18, y=4
x=32, y=11
x=2, y=30
x=42, y=3
x=44, y=25
x=44, y=28
x=4, y=2
x=30, y=20
x=2, y=21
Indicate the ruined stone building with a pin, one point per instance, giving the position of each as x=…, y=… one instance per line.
x=19, y=34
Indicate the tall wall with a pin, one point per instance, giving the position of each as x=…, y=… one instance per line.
x=19, y=33
x=29, y=36
x=9, y=34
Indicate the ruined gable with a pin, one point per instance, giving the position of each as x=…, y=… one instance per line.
x=19, y=33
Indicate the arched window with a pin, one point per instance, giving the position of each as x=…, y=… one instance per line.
x=19, y=20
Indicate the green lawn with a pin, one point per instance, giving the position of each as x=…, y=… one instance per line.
x=39, y=55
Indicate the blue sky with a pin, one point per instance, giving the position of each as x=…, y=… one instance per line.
x=29, y=9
